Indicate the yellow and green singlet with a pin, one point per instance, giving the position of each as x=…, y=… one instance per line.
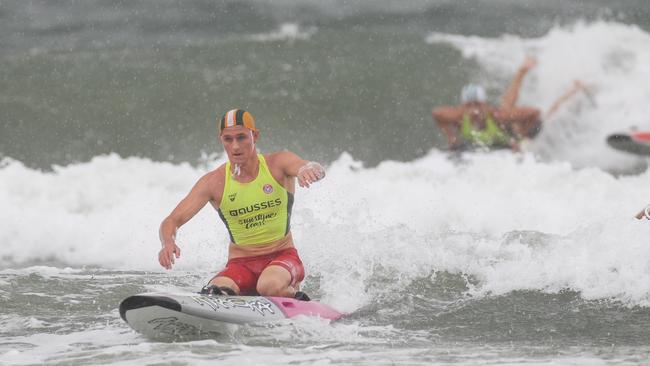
x=257, y=212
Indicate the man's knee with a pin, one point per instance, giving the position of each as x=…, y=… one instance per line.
x=270, y=286
x=273, y=281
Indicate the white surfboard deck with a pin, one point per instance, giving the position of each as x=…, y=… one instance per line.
x=189, y=315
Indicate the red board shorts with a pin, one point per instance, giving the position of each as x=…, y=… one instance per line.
x=245, y=271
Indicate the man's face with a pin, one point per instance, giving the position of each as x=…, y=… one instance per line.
x=239, y=143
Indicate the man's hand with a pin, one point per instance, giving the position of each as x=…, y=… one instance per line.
x=644, y=213
x=310, y=173
x=167, y=254
x=528, y=64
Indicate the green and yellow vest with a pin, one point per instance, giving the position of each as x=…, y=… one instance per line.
x=257, y=212
x=491, y=136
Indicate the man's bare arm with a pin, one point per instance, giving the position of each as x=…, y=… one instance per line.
x=307, y=172
x=509, y=98
x=184, y=211
x=448, y=120
x=577, y=86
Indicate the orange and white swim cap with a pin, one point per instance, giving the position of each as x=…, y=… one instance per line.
x=237, y=117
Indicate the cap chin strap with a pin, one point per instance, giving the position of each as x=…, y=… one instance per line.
x=236, y=168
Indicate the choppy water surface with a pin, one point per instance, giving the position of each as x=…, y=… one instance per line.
x=69, y=317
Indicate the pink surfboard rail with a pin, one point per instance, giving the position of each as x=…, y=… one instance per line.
x=641, y=136
x=292, y=307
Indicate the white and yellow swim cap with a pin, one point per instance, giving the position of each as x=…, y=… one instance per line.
x=237, y=117
x=473, y=93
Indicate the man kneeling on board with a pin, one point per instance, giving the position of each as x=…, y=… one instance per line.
x=253, y=194
x=476, y=123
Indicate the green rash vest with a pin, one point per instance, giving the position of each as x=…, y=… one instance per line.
x=257, y=212
x=492, y=135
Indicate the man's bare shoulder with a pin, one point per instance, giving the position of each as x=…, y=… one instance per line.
x=215, y=174
x=448, y=112
x=280, y=157
x=213, y=181
x=447, y=108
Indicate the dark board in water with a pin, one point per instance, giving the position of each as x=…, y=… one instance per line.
x=635, y=142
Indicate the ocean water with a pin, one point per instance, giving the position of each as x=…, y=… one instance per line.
x=107, y=118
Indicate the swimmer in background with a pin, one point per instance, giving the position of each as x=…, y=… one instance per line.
x=476, y=123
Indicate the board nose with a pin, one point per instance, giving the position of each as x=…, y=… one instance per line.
x=136, y=302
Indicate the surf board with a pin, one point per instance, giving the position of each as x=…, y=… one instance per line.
x=192, y=315
x=635, y=142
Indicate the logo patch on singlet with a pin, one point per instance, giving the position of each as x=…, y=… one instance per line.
x=268, y=189
x=231, y=197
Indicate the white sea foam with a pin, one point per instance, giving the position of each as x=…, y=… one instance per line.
x=612, y=59
x=512, y=222
x=11, y=323
x=286, y=32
